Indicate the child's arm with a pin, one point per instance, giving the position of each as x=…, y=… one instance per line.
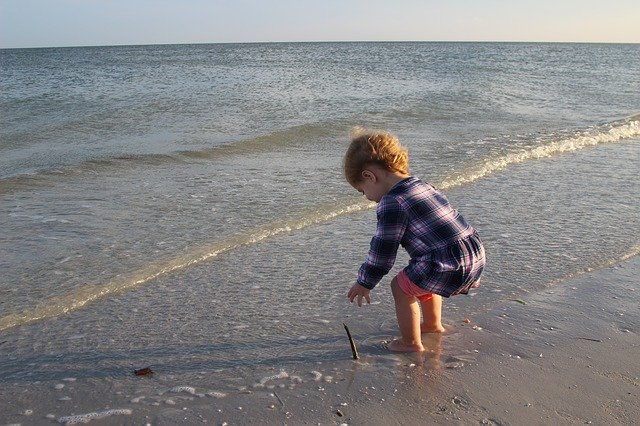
x=358, y=291
x=392, y=222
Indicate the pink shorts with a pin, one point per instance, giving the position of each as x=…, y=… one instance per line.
x=411, y=289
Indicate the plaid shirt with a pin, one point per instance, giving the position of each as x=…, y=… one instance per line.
x=417, y=216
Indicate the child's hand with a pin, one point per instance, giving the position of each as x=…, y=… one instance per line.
x=358, y=291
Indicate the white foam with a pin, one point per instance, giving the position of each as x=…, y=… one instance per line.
x=576, y=142
x=316, y=375
x=281, y=375
x=187, y=389
x=86, y=418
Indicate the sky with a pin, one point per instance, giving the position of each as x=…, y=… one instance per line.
x=56, y=23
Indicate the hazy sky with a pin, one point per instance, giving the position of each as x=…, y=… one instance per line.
x=34, y=23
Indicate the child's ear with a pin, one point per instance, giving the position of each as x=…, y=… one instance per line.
x=368, y=175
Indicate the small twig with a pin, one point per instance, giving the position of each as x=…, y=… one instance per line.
x=277, y=396
x=351, y=342
x=589, y=339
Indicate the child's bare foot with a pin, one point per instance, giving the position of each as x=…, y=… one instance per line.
x=424, y=328
x=397, y=345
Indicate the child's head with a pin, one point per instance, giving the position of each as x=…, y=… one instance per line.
x=373, y=148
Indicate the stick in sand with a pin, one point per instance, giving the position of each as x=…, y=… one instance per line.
x=353, y=344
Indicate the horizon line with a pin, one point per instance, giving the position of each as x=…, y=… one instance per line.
x=71, y=46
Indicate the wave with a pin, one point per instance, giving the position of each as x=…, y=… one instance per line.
x=612, y=132
x=600, y=265
x=299, y=135
x=279, y=139
x=296, y=135
x=79, y=298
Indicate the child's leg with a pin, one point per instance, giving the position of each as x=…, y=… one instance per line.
x=408, y=314
x=432, y=315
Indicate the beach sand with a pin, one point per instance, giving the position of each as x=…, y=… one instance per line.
x=568, y=355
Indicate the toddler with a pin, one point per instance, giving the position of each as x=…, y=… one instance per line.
x=447, y=256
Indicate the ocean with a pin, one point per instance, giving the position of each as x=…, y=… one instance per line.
x=183, y=206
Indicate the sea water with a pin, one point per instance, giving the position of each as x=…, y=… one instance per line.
x=183, y=207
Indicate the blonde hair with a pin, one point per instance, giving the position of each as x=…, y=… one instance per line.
x=373, y=147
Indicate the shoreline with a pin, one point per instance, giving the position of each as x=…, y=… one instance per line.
x=565, y=356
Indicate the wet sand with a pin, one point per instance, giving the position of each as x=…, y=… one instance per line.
x=567, y=355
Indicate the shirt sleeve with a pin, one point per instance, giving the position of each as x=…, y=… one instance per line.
x=392, y=222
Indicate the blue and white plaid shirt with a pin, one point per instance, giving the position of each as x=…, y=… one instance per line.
x=419, y=217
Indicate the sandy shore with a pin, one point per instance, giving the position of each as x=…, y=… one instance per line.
x=568, y=355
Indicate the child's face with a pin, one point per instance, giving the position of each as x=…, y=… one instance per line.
x=371, y=188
